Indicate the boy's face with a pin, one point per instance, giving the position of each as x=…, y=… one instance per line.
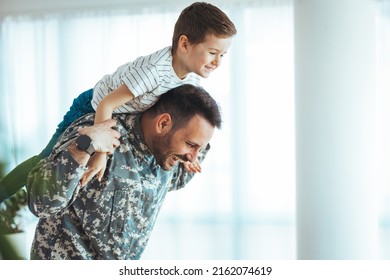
x=204, y=58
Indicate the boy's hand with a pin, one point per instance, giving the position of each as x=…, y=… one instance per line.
x=104, y=137
x=192, y=166
x=96, y=165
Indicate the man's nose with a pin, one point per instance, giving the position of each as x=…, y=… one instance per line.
x=193, y=155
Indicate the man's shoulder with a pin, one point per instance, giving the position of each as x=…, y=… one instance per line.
x=129, y=126
x=126, y=121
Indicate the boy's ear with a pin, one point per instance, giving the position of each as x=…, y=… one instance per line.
x=184, y=43
x=164, y=123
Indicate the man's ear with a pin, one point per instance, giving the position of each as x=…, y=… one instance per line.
x=164, y=123
x=184, y=43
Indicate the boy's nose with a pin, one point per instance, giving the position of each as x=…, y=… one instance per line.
x=217, y=61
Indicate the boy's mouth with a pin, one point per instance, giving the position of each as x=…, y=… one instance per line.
x=210, y=69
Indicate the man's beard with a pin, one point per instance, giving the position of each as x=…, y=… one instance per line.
x=161, y=144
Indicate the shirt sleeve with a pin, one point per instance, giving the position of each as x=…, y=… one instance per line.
x=141, y=79
x=53, y=184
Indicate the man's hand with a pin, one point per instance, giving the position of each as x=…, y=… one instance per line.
x=104, y=138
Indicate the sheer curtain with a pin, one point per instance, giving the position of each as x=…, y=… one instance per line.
x=242, y=206
x=383, y=85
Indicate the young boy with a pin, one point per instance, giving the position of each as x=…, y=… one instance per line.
x=202, y=35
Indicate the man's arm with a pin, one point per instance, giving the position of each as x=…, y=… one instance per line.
x=54, y=183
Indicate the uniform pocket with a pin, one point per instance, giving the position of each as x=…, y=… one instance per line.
x=107, y=214
x=119, y=211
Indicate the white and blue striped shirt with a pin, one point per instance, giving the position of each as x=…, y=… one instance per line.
x=147, y=78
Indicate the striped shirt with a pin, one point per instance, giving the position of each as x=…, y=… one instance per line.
x=147, y=78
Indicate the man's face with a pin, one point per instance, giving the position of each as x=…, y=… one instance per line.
x=182, y=145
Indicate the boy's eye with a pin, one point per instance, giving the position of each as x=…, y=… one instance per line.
x=213, y=53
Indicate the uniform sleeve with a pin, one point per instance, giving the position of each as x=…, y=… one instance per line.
x=53, y=184
x=181, y=177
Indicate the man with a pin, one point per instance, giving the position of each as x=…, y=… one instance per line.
x=113, y=219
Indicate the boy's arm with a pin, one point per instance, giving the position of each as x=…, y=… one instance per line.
x=104, y=110
x=115, y=99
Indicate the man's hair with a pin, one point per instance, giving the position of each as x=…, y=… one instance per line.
x=201, y=19
x=186, y=101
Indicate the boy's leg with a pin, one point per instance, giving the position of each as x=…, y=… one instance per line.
x=17, y=178
x=80, y=106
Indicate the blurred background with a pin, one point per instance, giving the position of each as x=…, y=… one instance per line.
x=243, y=204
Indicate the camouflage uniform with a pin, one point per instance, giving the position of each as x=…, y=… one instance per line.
x=111, y=219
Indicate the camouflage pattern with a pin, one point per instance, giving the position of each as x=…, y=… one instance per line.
x=111, y=219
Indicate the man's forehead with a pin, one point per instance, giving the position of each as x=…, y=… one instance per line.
x=198, y=130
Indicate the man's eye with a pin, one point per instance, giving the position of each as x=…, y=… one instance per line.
x=190, y=145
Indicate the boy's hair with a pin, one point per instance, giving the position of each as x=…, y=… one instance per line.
x=186, y=101
x=201, y=19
